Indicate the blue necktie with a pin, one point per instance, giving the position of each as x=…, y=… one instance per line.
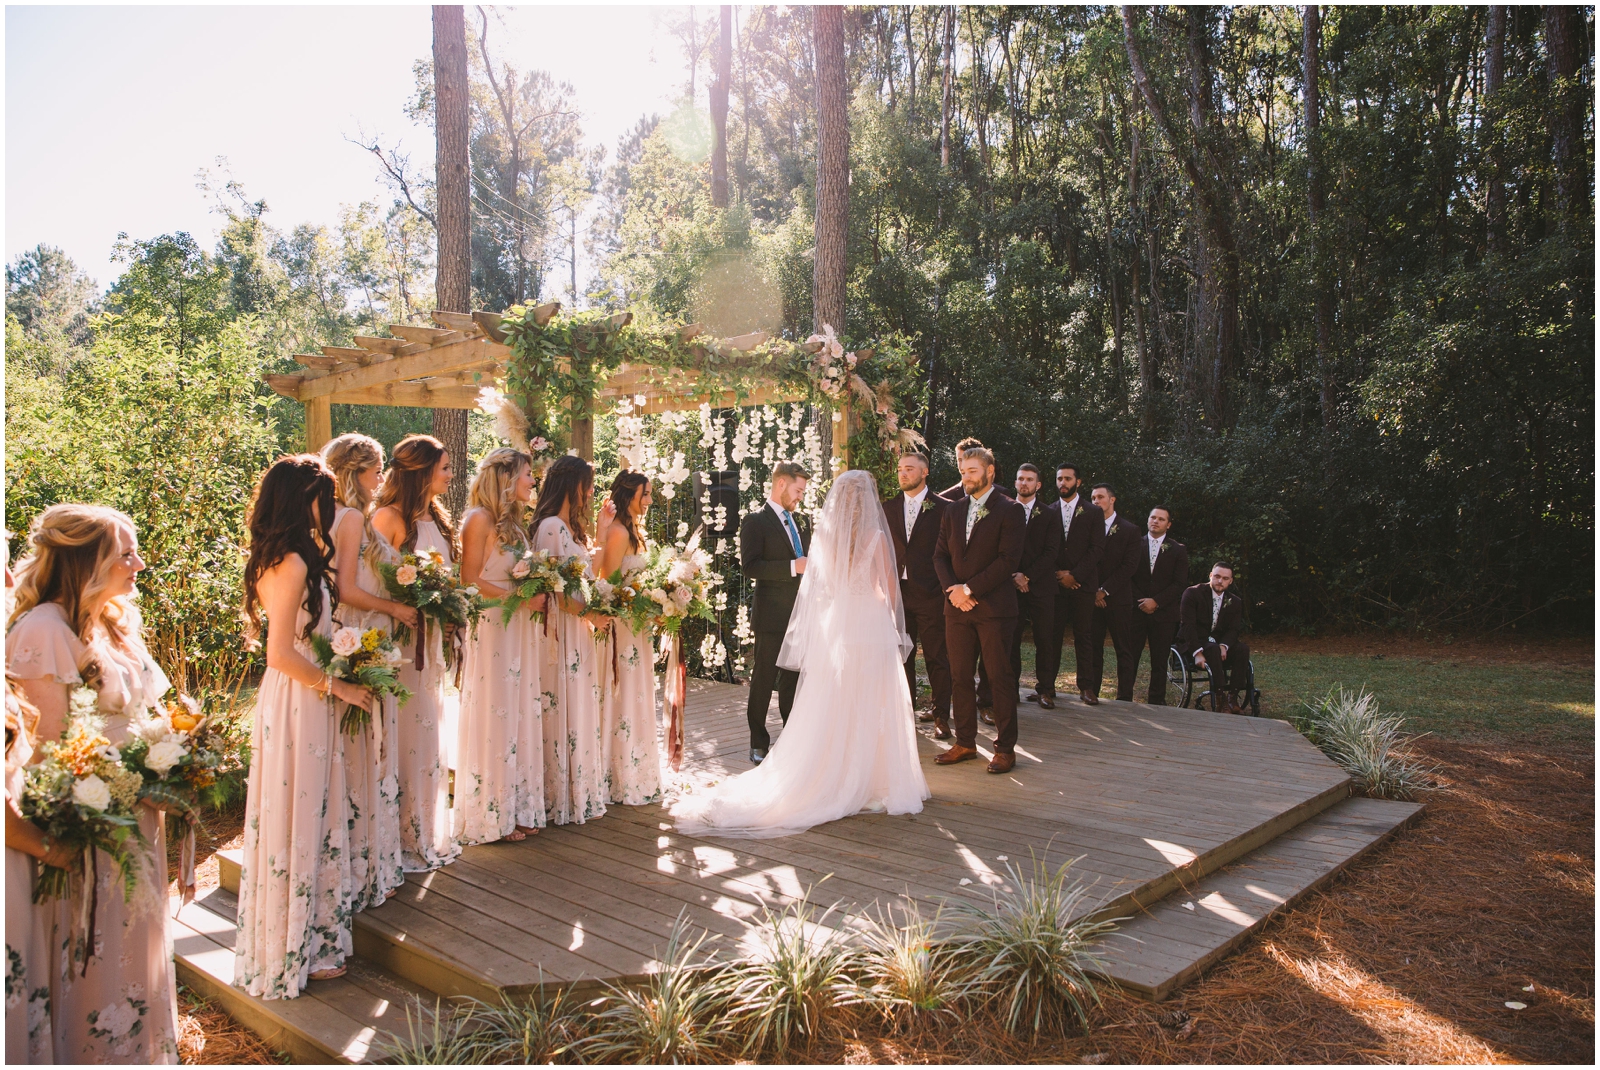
x=794, y=534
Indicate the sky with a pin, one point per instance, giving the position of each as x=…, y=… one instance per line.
x=111, y=111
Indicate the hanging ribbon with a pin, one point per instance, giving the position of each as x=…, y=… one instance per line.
x=186, y=879
x=616, y=641
x=421, y=658
x=92, y=903
x=674, y=689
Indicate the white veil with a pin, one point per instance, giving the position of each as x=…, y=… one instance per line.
x=849, y=567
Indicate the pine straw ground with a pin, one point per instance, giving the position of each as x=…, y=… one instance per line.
x=1408, y=957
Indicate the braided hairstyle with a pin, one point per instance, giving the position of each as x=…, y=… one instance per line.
x=494, y=490
x=624, y=489
x=347, y=457
x=410, y=476
x=292, y=514
x=567, y=479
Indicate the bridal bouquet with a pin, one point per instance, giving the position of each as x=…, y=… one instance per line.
x=616, y=595
x=172, y=750
x=83, y=796
x=368, y=659
x=675, y=585
x=536, y=573
x=435, y=589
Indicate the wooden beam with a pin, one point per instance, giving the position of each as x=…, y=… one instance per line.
x=489, y=324
x=457, y=321
x=421, y=394
x=542, y=314
x=287, y=385
x=320, y=361
x=425, y=336
x=746, y=342
x=438, y=360
x=319, y=424
x=690, y=330
x=349, y=356
x=689, y=402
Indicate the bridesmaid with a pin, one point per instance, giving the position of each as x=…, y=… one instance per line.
x=500, y=751
x=295, y=889
x=574, y=750
x=29, y=963
x=369, y=757
x=411, y=519
x=75, y=625
x=628, y=704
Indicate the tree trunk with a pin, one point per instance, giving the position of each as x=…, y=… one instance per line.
x=453, y=273
x=833, y=174
x=1494, y=74
x=949, y=86
x=1310, y=73
x=1218, y=329
x=1147, y=367
x=1561, y=54
x=722, y=65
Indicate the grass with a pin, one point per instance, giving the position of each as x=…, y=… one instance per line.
x=1372, y=747
x=1480, y=694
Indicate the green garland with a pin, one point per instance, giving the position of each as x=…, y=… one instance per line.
x=572, y=355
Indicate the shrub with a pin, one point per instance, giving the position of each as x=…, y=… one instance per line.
x=785, y=996
x=904, y=975
x=1031, y=952
x=677, y=1016
x=532, y=1031
x=439, y=1038
x=1347, y=727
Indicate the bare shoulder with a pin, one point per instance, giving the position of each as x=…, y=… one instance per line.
x=475, y=521
x=388, y=520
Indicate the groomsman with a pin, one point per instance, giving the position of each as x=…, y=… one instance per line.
x=1158, y=583
x=1113, y=600
x=772, y=554
x=1077, y=560
x=1035, y=581
x=979, y=548
x=1210, y=619
x=914, y=516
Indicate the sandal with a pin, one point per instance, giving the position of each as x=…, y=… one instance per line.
x=514, y=836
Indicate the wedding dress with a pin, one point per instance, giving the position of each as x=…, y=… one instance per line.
x=850, y=744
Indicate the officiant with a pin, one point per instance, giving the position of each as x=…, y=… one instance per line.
x=772, y=555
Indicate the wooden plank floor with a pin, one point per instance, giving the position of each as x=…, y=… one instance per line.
x=1153, y=798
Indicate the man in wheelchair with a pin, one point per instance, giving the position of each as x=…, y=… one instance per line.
x=1210, y=617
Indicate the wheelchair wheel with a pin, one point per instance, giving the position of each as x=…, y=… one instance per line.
x=1255, y=695
x=1179, y=679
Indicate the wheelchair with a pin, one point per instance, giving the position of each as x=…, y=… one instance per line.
x=1183, y=676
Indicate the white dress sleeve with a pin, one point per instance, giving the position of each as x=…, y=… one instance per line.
x=42, y=645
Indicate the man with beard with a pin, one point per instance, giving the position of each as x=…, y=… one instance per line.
x=1114, y=599
x=1077, y=559
x=979, y=548
x=1035, y=581
x=1211, y=617
x=914, y=516
x=1158, y=582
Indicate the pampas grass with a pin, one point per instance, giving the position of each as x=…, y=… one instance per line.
x=1347, y=727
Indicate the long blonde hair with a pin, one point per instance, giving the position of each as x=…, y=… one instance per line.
x=494, y=490
x=348, y=456
x=71, y=549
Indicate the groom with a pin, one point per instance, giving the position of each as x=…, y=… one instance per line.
x=772, y=554
x=979, y=549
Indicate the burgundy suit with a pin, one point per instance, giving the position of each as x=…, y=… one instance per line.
x=1117, y=563
x=984, y=563
x=1078, y=552
x=1159, y=630
x=921, y=594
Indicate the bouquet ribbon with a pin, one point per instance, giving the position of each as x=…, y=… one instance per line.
x=186, y=880
x=674, y=692
x=421, y=660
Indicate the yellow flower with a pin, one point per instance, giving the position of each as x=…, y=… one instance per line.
x=371, y=638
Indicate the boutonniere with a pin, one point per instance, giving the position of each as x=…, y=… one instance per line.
x=1162, y=550
x=983, y=511
x=1078, y=511
x=1113, y=529
x=927, y=504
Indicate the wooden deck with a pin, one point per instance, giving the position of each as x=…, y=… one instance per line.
x=1152, y=798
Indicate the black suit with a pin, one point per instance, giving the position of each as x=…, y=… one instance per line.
x=1158, y=630
x=1079, y=553
x=921, y=594
x=1117, y=562
x=765, y=553
x=984, y=563
x=1040, y=544
x=1196, y=631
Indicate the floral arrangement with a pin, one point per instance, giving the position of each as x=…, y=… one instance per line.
x=617, y=595
x=368, y=659
x=434, y=588
x=536, y=572
x=82, y=795
x=673, y=586
x=172, y=749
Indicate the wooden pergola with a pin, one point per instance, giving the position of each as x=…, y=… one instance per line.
x=445, y=366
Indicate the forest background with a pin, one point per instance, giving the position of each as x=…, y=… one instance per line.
x=1321, y=282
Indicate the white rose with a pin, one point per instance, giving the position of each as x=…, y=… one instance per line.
x=163, y=756
x=683, y=596
x=405, y=575
x=108, y=753
x=521, y=569
x=603, y=588
x=346, y=641
x=151, y=730
x=392, y=656
x=92, y=792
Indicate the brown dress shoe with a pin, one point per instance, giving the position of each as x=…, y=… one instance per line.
x=955, y=754
x=986, y=715
x=941, y=730
x=1047, y=702
x=1088, y=699
x=1002, y=763
x=926, y=715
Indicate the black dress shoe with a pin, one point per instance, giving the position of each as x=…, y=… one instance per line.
x=757, y=755
x=1047, y=702
x=1088, y=699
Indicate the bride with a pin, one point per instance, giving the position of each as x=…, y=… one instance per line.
x=850, y=744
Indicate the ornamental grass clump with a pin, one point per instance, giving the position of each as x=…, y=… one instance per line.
x=529, y=1031
x=803, y=977
x=442, y=1038
x=1347, y=726
x=1031, y=953
x=677, y=1016
x=905, y=975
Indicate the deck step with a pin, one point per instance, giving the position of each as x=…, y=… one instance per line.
x=1180, y=937
x=345, y=1020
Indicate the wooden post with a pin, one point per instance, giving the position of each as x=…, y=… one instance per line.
x=841, y=437
x=319, y=423
x=582, y=411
